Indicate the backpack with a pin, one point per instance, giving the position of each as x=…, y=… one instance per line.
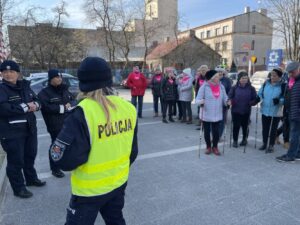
x=283, y=89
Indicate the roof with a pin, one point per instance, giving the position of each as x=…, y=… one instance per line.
x=165, y=48
x=225, y=19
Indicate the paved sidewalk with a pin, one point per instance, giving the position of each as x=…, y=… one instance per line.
x=169, y=185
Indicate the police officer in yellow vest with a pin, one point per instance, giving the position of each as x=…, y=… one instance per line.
x=98, y=143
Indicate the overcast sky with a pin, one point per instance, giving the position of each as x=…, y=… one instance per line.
x=193, y=12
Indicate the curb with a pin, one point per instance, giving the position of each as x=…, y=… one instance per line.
x=2, y=173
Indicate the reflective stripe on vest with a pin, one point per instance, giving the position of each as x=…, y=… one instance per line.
x=107, y=167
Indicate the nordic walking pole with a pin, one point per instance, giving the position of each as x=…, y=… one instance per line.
x=269, y=136
x=230, y=135
x=225, y=131
x=247, y=134
x=201, y=129
x=256, y=120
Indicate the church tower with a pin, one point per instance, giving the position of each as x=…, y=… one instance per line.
x=165, y=14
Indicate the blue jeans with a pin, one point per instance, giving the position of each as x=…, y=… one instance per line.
x=134, y=100
x=295, y=140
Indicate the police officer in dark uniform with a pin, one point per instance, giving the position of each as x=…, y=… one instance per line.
x=98, y=143
x=56, y=102
x=18, y=131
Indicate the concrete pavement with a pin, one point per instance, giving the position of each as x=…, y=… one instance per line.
x=169, y=185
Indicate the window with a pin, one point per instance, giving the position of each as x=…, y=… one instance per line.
x=224, y=46
x=202, y=35
x=225, y=29
x=218, y=31
x=253, y=29
x=217, y=47
x=252, y=45
x=208, y=34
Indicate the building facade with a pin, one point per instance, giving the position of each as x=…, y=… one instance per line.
x=239, y=37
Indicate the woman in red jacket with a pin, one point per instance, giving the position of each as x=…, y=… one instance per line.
x=137, y=83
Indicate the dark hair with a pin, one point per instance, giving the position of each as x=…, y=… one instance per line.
x=242, y=74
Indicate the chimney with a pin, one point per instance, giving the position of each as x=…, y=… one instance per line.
x=247, y=9
x=263, y=11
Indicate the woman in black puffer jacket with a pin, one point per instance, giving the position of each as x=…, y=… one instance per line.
x=169, y=94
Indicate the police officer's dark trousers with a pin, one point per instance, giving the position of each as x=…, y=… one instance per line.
x=84, y=210
x=21, y=153
x=53, y=135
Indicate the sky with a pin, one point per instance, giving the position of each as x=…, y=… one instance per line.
x=192, y=12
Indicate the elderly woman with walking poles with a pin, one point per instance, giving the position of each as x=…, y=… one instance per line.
x=212, y=98
x=242, y=96
x=271, y=95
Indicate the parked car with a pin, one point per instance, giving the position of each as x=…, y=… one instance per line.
x=33, y=77
x=71, y=81
x=258, y=78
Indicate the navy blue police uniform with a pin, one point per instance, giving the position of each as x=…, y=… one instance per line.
x=53, y=100
x=18, y=132
x=70, y=150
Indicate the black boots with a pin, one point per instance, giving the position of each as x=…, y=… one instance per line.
x=171, y=119
x=58, y=173
x=24, y=193
x=243, y=142
x=263, y=147
x=235, y=144
x=164, y=120
x=270, y=149
x=36, y=182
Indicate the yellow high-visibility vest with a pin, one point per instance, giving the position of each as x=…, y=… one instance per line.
x=107, y=167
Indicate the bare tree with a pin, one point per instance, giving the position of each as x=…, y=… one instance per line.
x=101, y=12
x=286, y=16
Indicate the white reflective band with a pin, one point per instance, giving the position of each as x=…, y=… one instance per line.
x=61, y=109
x=24, y=106
x=18, y=121
x=37, y=105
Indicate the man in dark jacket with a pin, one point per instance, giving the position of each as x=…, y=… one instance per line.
x=294, y=116
x=18, y=131
x=56, y=101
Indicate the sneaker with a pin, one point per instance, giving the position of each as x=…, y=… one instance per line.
x=189, y=122
x=286, y=145
x=216, y=151
x=270, y=149
x=164, y=120
x=235, y=144
x=208, y=151
x=263, y=147
x=58, y=173
x=24, y=193
x=297, y=158
x=243, y=142
x=285, y=158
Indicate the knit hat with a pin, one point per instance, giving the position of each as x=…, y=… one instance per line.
x=292, y=66
x=9, y=65
x=53, y=73
x=187, y=71
x=94, y=73
x=242, y=74
x=209, y=74
x=278, y=72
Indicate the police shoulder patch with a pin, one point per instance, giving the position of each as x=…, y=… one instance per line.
x=57, y=151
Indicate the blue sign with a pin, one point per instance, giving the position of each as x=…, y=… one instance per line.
x=274, y=58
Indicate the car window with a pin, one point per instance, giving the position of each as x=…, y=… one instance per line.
x=73, y=82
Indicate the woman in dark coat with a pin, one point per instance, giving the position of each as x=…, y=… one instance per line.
x=242, y=97
x=169, y=94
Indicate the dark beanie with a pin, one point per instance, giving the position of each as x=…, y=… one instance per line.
x=9, y=65
x=53, y=73
x=278, y=72
x=242, y=74
x=94, y=73
x=209, y=74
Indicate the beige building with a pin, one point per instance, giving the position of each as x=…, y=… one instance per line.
x=239, y=37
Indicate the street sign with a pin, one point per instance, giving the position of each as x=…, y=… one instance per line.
x=246, y=46
x=253, y=59
x=274, y=58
